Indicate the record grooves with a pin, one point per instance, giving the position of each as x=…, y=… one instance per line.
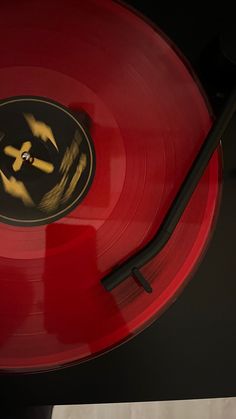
x=178, y=206
x=142, y=115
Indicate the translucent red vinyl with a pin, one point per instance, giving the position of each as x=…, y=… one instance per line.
x=149, y=118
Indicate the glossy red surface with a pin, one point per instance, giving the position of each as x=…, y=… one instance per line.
x=149, y=120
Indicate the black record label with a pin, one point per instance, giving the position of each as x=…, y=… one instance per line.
x=47, y=161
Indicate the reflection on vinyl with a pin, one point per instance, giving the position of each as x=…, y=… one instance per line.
x=100, y=121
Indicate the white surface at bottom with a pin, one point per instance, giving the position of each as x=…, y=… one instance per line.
x=190, y=409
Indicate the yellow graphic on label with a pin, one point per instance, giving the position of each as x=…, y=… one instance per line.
x=52, y=199
x=71, y=153
x=65, y=188
x=75, y=179
x=16, y=189
x=43, y=165
x=17, y=154
x=40, y=129
x=19, y=160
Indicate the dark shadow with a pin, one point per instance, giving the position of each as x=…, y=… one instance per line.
x=77, y=308
x=30, y=412
x=16, y=298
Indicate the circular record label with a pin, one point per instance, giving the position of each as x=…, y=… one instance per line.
x=47, y=161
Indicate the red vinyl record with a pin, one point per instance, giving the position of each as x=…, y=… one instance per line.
x=100, y=120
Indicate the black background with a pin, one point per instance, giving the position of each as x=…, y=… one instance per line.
x=191, y=351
